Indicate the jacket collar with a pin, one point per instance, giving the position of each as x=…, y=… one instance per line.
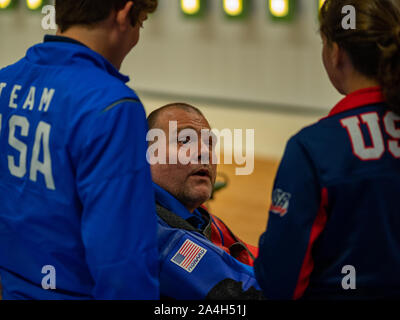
x=357, y=99
x=63, y=51
x=168, y=201
x=53, y=38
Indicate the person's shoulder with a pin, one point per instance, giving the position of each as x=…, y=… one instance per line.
x=11, y=67
x=330, y=127
x=313, y=140
x=82, y=73
x=306, y=133
x=99, y=91
x=98, y=81
x=323, y=128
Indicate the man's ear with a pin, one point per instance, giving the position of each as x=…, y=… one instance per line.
x=123, y=16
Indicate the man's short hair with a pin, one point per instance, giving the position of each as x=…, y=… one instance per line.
x=90, y=12
x=153, y=117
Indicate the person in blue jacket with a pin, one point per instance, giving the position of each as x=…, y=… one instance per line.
x=76, y=197
x=334, y=225
x=200, y=258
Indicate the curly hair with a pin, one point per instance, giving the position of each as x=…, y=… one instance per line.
x=90, y=12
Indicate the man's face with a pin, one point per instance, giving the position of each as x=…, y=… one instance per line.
x=191, y=183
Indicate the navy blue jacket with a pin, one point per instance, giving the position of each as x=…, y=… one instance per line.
x=334, y=224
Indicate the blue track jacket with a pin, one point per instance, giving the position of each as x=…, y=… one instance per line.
x=191, y=266
x=77, y=214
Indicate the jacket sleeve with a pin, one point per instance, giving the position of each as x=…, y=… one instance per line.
x=118, y=221
x=193, y=268
x=296, y=218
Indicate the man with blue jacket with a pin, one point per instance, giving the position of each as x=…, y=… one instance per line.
x=75, y=187
x=200, y=257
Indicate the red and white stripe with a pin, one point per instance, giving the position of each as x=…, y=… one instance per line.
x=190, y=250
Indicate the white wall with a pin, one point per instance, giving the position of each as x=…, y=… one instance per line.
x=19, y=29
x=252, y=60
x=255, y=60
x=272, y=129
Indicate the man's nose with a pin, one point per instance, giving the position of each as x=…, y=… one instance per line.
x=204, y=153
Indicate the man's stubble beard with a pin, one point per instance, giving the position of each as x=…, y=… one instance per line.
x=193, y=199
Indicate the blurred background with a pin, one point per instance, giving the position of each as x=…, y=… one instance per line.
x=258, y=68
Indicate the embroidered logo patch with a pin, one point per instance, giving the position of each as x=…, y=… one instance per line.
x=189, y=255
x=280, y=202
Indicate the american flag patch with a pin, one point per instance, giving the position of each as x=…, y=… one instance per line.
x=189, y=255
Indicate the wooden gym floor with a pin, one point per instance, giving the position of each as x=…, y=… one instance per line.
x=244, y=204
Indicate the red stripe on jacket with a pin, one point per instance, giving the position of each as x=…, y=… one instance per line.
x=308, y=263
x=224, y=238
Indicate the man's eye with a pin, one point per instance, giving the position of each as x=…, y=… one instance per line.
x=184, y=140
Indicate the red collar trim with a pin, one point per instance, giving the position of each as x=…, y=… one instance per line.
x=359, y=98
